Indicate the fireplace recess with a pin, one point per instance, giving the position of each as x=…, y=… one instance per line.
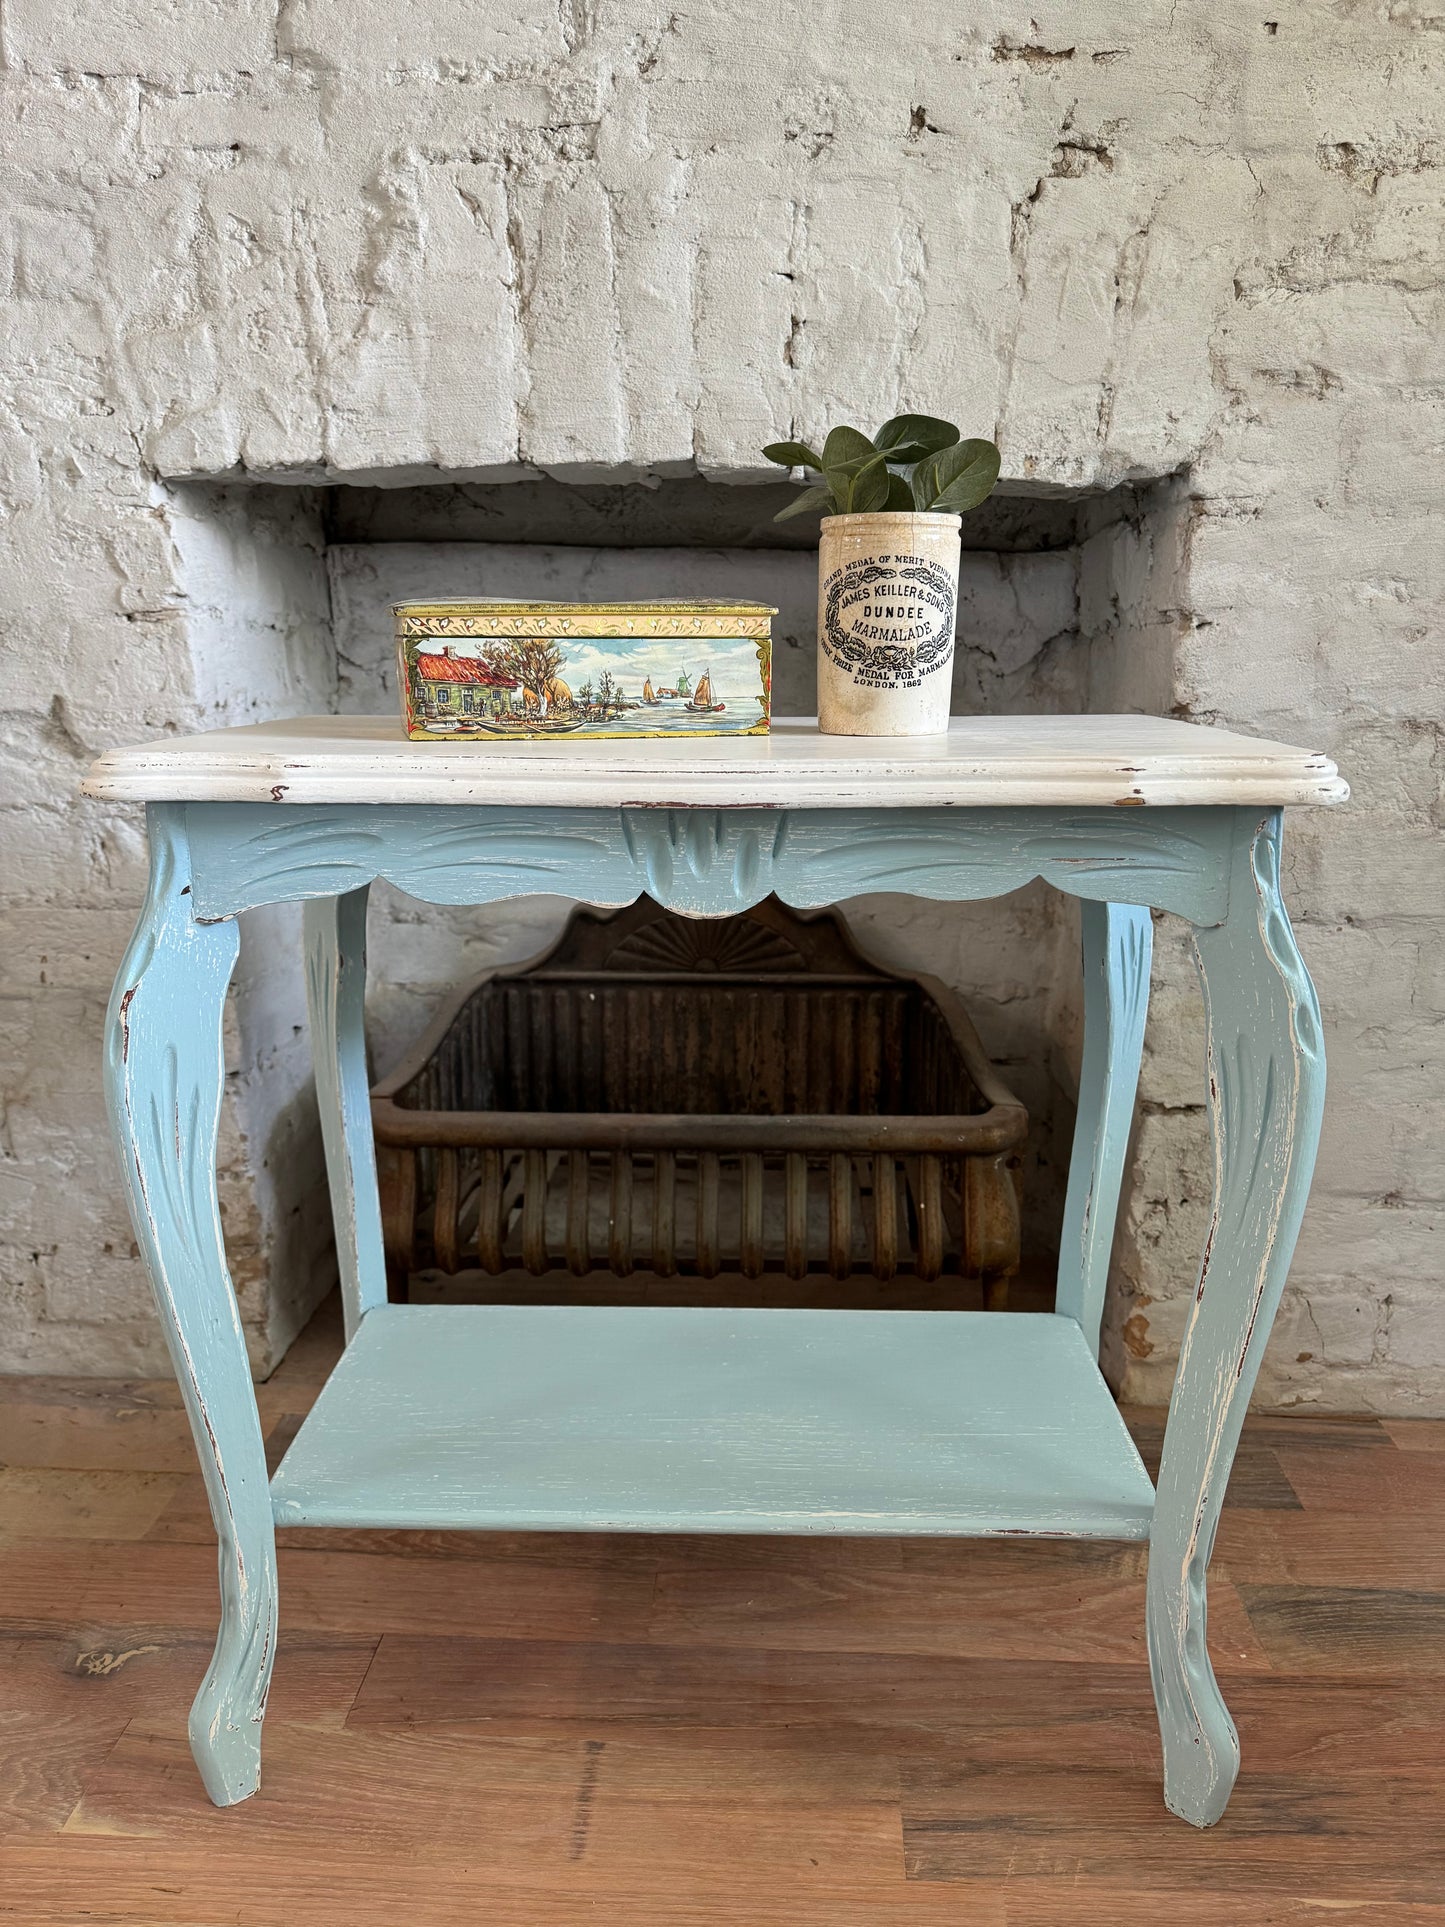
x=746, y=1095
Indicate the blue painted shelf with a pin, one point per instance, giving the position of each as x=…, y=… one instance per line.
x=680, y=1419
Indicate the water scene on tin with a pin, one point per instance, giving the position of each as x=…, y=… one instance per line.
x=576, y=685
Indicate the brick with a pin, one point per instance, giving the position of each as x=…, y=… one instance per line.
x=433, y=37
x=160, y=40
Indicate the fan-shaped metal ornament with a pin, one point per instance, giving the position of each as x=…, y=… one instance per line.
x=690, y=943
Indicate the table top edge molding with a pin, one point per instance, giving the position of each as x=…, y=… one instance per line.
x=1050, y=761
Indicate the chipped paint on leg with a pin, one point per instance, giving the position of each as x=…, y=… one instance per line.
x=164, y=1074
x=1266, y=1089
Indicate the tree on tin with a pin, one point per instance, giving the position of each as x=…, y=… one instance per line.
x=914, y=465
x=535, y=661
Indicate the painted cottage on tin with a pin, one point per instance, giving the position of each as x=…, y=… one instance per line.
x=449, y=686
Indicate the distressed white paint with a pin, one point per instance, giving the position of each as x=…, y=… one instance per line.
x=980, y=761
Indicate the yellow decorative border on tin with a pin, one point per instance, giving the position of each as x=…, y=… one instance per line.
x=603, y=626
x=416, y=734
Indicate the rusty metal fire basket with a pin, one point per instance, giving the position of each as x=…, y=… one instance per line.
x=690, y=1097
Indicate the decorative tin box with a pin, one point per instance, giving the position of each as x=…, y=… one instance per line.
x=493, y=668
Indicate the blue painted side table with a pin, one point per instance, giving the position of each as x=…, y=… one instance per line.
x=687, y=1419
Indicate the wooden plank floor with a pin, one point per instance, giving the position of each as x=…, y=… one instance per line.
x=667, y=1732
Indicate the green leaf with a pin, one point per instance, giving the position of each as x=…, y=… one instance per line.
x=961, y=477
x=807, y=501
x=846, y=448
x=846, y=482
x=846, y=454
x=909, y=438
x=793, y=455
x=923, y=486
x=900, y=495
x=868, y=490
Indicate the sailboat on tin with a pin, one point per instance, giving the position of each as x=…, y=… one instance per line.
x=649, y=694
x=701, y=698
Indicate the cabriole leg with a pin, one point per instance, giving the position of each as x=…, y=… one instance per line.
x=335, y=930
x=1266, y=1094
x=164, y=1072
x=1118, y=944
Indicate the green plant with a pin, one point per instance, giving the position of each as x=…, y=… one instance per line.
x=914, y=463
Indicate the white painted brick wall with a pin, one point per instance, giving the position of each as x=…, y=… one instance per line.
x=303, y=238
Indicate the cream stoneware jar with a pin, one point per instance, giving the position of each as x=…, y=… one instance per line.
x=887, y=599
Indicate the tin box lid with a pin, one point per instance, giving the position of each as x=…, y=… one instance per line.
x=504, y=606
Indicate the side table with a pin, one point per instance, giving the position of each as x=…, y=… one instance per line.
x=661, y=1419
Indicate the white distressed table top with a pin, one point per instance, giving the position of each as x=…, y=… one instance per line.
x=983, y=760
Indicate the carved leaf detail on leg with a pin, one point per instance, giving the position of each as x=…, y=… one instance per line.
x=164, y=1075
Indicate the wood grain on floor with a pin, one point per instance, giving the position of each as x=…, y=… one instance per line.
x=679, y=1732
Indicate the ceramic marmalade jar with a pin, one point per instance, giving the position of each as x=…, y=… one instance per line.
x=887, y=600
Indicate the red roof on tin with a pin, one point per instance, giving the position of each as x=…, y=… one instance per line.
x=462, y=669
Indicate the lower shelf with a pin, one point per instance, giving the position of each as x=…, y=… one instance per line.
x=681, y=1419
